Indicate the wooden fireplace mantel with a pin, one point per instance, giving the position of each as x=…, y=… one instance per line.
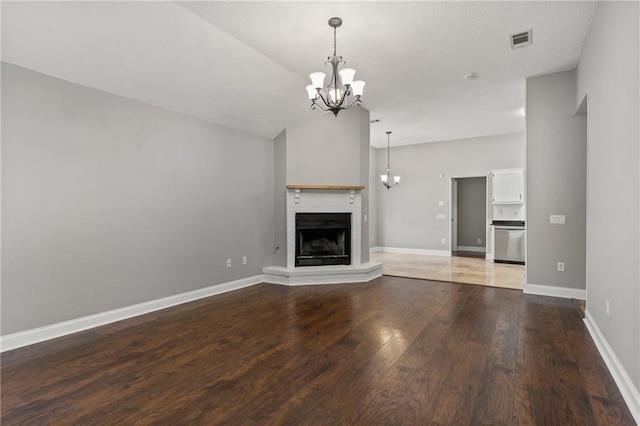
x=332, y=187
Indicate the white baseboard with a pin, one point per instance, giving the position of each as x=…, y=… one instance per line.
x=375, y=249
x=471, y=248
x=411, y=251
x=629, y=392
x=40, y=334
x=548, y=290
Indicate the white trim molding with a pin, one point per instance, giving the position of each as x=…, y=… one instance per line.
x=411, y=251
x=629, y=392
x=548, y=290
x=41, y=334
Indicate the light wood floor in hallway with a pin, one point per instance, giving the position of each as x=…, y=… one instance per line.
x=456, y=269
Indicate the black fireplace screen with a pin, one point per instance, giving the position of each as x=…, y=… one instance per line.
x=323, y=239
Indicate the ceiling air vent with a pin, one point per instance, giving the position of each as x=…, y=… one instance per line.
x=521, y=39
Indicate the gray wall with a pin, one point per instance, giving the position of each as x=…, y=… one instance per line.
x=365, y=150
x=374, y=183
x=109, y=202
x=407, y=213
x=556, y=181
x=608, y=71
x=280, y=198
x=328, y=150
x=472, y=211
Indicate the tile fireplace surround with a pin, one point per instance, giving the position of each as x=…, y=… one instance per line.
x=324, y=199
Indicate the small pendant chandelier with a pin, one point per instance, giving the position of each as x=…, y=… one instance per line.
x=341, y=85
x=386, y=179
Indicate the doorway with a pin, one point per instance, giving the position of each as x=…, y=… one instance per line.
x=469, y=228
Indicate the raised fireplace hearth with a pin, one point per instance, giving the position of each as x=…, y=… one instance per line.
x=323, y=239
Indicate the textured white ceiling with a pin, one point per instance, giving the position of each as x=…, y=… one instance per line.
x=245, y=64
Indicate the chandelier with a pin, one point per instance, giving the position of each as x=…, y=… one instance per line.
x=386, y=179
x=334, y=97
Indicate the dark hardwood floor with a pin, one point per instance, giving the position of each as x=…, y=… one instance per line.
x=392, y=351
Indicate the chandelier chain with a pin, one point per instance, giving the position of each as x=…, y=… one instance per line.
x=388, y=155
x=388, y=152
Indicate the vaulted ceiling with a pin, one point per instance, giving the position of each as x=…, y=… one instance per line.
x=245, y=64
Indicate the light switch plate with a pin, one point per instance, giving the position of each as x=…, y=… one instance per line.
x=557, y=219
x=441, y=203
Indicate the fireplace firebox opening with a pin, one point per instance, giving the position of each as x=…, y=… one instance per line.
x=323, y=239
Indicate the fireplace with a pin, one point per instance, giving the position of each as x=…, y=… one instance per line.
x=323, y=239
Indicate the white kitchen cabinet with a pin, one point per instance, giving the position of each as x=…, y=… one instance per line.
x=508, y=186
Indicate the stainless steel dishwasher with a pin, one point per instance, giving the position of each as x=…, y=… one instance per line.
x=509, y=239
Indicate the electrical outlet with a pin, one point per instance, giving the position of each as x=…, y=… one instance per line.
x=244, y=260
x=443, y=241
x=560, y=266
x=441, y=203
x=228, y=263
x=479, y=240
x=606, y=307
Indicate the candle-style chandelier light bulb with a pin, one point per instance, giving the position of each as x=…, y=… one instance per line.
x=386, y=179
x=341, y=91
